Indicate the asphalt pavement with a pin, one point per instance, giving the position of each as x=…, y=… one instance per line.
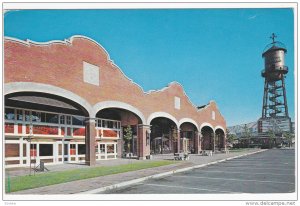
x=272, y=171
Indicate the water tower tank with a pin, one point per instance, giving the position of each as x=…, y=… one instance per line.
x=274, y=55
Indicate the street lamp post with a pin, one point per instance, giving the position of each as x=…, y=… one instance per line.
x=29, y=140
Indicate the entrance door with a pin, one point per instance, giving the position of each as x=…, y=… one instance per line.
x=74, y=152
x=134, y=145
x=185, y=145
x=66, y=152
x=106, y=150
x=70, y=152
x=101, y=151
x=175, y=147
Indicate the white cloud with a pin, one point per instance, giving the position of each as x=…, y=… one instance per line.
x=252, y=17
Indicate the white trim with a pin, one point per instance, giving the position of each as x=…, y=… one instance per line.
x=11, y=141
x=206, y=124
x=21, y=151
x=14, y=158
x=109, y=138
x=189, y=120
x=55, y=157
x=68, y=42
x=162, y=114
x=28, y=154
x=35, y=110
x=14, y=87
x=116, y=104
x=76, y=156
x=105, y=151
x=69, y=155
x=58, y=125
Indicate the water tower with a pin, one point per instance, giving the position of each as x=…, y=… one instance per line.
x=275, y=114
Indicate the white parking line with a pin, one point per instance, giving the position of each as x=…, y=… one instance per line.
x=285, y=166
x=252, y=168
x=248, y=173
x=291, y=167
x=232, y=179
x=258, y=161
x=190, y=188
x=262, y=161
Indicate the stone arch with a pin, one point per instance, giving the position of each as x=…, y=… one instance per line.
x=116, y=104
x=220, y=138
x=189, y=120
x=220, y=127
x=165, y=134
x=206, y=124
x=189, y=134
x=14, y=87
x=207, y=136
x=162, y=114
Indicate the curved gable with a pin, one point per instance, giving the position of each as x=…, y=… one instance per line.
x=83, y=67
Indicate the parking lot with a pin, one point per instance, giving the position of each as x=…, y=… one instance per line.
x=272, y=171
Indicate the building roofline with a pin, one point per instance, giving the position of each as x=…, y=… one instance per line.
x=69, y=42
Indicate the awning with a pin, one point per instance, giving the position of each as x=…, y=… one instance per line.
x=43, y=101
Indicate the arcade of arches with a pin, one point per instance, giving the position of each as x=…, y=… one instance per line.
x=58, y=127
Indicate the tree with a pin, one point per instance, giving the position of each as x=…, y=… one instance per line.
x=246, y=134
x=289, y=137
x=230, y=137
x=271, y=137
x=128, y=137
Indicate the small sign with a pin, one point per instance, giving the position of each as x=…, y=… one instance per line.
x=90, y=74
x=177, y=102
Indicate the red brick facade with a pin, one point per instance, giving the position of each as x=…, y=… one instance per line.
x=60, y=64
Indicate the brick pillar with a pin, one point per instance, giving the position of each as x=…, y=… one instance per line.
x=214, y=142
x=197, y=141
x=178, y=140
x=200, y=141
x=143, y=141
x=120, y=144
x=90, y=136
x=225, y=136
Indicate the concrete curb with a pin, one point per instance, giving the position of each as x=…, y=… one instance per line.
x=131, y=182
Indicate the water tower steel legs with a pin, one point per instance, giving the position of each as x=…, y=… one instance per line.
x=274, y=100
x=284, y=96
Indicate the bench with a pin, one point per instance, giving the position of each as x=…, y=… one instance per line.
x=226, y=151
x=41, y=167
x=207, y=153
x=181, y=156
x=129, y=155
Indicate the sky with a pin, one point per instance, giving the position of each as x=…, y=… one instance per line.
x=215, y=54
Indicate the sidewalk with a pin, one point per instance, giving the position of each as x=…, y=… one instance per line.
x=22, y=171
x=86, y=185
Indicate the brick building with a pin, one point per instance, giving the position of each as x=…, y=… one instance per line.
x=73, y=103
